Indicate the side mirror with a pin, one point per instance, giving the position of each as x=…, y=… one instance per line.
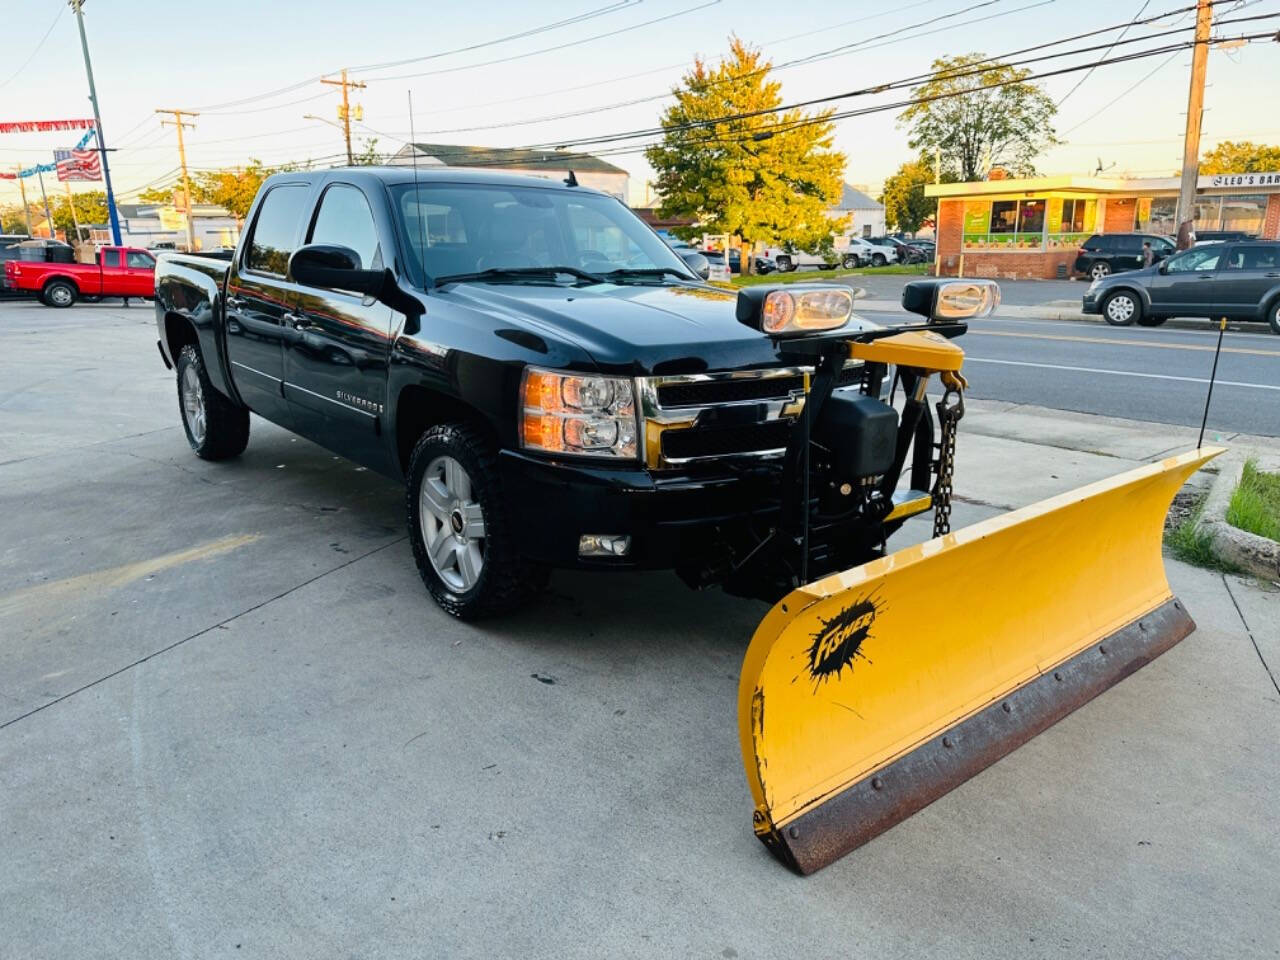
x=946, y=301
x=696, y=262
x=336, y=267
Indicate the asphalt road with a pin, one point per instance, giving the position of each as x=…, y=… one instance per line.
x=232, y=724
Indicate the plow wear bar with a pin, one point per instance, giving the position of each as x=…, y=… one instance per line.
x=868, y=694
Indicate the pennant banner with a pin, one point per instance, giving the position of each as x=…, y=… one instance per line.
x=43, y=126
x=52, y=167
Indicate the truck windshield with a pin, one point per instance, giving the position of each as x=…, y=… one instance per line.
x=459, y=230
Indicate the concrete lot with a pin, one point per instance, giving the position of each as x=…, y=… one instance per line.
x=232, y=723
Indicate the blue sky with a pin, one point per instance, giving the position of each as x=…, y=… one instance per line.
x=151, y=54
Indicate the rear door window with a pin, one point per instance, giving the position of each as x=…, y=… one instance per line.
x=1253, y=257
x=139, y=260
x=276, y=228
x=1125, y=243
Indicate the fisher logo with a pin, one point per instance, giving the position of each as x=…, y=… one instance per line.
x=360, y=403
x=839, y=642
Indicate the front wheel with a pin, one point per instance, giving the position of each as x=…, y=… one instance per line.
x=1099, y=270
x=849, y=263
x=878, y=260
x=216, y=428
x=1273, y=316
x=1122, y=309
x=460, y=527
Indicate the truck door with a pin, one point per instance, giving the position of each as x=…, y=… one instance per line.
x=110, y=280
x=260, y=299
x=140, y=274
x=336, y=354
x=1186, y=285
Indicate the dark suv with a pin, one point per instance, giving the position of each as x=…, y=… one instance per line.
x=1236, y=280
x=1107, y=253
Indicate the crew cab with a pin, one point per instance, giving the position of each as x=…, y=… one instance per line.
x=115, y=272
x=553, y=384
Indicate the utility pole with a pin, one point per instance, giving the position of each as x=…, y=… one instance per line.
x=178, y=122
x=112, y=214
x=344, y=111
x=1195, y=114
x=48, y=214
x=26, y=211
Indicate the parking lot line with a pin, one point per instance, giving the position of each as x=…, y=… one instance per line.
x=1122, y=373
x=1122, y=342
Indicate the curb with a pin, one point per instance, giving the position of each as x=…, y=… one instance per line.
x=1246, y=550
x=1052, y=311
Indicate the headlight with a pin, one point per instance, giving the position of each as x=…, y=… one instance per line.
x=789, y=312
x=585, y=415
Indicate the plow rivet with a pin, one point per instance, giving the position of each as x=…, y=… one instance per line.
x=794, y=833
x=1102, y=649
x=1058, y=677
x=1177, y=605
x=1006, y=708
x=946, y=742
x=877, y=783
x=1142, y=626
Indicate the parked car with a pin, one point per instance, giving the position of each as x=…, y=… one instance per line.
x=1106, y=253
x=549, y=380
x=787, y=260
x=763, y=265
x=1240, y=281
x=861, y=252
x=921, y=251
x=117, y=272
x=1213, y=236
x=897, y=244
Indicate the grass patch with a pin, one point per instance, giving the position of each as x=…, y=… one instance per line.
x=1194, y=546
x=808, y=276
x=1255, y=504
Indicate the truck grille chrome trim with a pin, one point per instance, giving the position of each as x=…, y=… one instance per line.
x=685, y=418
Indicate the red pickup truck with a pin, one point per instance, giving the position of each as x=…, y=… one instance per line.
x=117, y=272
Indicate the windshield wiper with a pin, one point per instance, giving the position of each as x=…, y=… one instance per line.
x=516, y=273
x=641, y=273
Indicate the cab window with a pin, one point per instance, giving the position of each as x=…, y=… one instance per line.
x=344, y=219
x=139, y=260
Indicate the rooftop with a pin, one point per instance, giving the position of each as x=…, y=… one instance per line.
x=459, y=155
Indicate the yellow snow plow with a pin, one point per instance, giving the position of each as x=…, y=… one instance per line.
x=870, y=691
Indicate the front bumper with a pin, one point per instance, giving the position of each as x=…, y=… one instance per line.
x=672, y=519
x=1091, y=302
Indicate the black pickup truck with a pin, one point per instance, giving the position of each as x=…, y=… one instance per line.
x=555, y=386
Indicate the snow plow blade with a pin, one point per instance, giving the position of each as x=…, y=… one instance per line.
x=870, y=693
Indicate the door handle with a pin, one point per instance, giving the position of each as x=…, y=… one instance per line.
x=297, y=322
x=1271, y=275
x=1205, y=276
x=235, y=303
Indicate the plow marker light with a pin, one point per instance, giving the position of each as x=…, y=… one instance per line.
x=868, y=694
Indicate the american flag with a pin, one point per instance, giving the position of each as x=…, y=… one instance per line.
x=78, y=164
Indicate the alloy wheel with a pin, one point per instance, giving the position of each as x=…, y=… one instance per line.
x=193, y=410
x=1121, y=309
x=452, y=524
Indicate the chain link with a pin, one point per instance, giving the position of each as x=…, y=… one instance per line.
x=949, y=413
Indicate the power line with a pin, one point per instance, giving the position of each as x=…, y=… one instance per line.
x=39, y=45
x=1125, y=92
x=1089, y=73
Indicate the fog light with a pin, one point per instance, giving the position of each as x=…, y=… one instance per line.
x=603, y=545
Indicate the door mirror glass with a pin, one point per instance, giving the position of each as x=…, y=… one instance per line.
x=336, y=267
x=696, y=262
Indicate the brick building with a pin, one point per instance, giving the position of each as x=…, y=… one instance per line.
x=1015, y=229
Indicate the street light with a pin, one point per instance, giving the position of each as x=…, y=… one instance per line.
x=312, y=116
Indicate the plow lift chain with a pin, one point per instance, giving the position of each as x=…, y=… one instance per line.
x=950, y=409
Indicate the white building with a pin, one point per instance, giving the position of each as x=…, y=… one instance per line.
x=552, y=164
x=866, y=217
x=148, y=224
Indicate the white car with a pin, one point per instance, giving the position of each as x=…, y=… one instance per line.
x=788, y=260
x=857, y=252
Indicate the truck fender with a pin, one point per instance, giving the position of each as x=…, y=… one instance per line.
x=187, y=306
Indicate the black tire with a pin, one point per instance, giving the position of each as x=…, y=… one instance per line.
x=1146, y=320
x=1099, y=269
x=1122, y=308
x=59, y=293
x=784, y=264
x=878, y=260
x=223, y=431
x=1273, y=316
x=506, y=580
x=849, y=262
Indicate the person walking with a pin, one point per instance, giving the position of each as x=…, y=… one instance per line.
x=1148, y=255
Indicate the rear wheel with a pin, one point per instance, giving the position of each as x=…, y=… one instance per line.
x=878, y=260
x=1273, y=316
x=849, y=262
x=1122, y=308
x=784, y=264
x=60, y=293
x=459, y=525
x=1100, y=269
x=216, y=428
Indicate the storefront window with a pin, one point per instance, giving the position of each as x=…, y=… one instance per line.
x=1234, y=211
x=1004, y=225
x=1156, y=215
x=1070, y=222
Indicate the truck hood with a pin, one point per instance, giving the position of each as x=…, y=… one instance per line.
x=635, y=329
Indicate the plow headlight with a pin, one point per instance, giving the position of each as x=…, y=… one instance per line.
x=791, y=312
x=584, y=415
x=951, y=300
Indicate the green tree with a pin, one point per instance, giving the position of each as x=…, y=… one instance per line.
x=90, y=207
x=905, y=205
x=12, y=219
x=369, y=156
x=768, y=178
x=1242, y=156
x=232, y=189
x=980, y=120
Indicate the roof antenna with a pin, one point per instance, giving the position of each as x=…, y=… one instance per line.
x=571, y=180
x=1222, y=328
x=417, y=195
